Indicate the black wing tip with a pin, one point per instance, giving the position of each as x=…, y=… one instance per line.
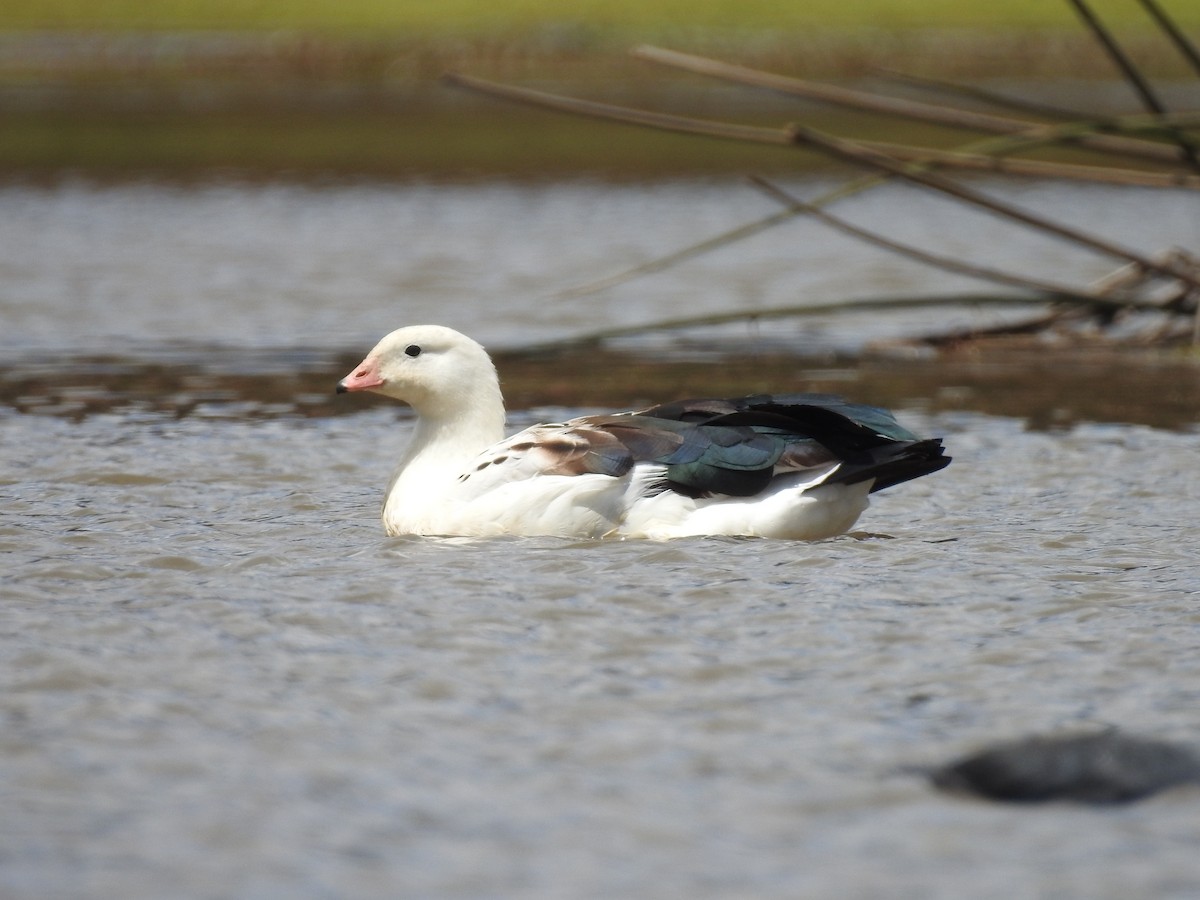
x=895, y=463
x=868, y=441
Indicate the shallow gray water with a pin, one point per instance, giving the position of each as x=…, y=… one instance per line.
x=221, y=680
x=136, y=268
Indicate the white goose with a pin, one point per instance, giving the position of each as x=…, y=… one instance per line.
x=794, y=466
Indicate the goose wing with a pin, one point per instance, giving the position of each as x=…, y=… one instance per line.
x=719, y=447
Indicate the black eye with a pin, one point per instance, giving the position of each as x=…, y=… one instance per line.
x=412, y=350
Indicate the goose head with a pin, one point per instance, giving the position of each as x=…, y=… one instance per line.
x=436, y=370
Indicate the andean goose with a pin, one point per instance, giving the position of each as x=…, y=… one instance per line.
x=794, y=466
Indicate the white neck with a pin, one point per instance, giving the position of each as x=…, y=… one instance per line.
x=441, y=449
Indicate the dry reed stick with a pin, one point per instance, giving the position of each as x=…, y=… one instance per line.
x=906, y=108
x=1120, y=59
x=781, y=137
x=870, y=304
x=1109, y=301
x=626, y=114
x=854, y=152
x=684, y=125
x=1185, y=47
x=661, y=263
x=1007, y=165
x=972, y=92
x=916, y=155
x=1141, y=86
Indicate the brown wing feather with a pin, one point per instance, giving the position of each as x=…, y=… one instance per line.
x=576, y=448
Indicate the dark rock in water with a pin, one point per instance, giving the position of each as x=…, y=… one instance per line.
x=1108, y=767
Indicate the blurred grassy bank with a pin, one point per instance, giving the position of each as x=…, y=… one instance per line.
x=640, y=17
x=117, y=88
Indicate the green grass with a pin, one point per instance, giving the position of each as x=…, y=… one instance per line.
x=653, y=17
x=128, y=109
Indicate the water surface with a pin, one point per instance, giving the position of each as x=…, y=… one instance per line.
x=222, y=680
x=147, y=267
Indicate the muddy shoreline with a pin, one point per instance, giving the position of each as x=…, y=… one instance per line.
x=1053, y=388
